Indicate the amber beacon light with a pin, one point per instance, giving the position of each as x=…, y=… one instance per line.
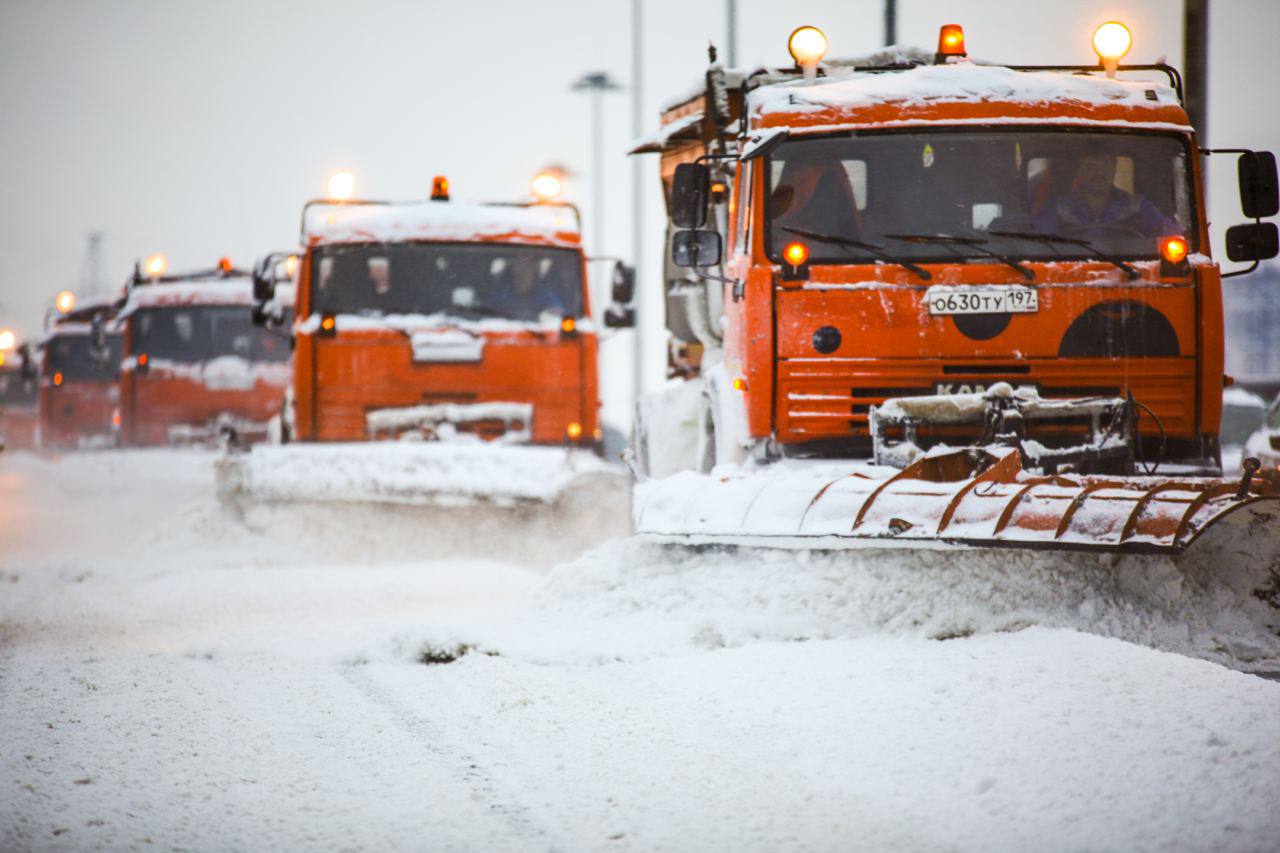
x=950, y=43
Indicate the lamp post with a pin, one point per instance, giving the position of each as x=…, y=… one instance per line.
x=596, y=83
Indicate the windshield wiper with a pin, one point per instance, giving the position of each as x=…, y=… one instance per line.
x=975, y=243
x=849, y=242
x=1050, y=239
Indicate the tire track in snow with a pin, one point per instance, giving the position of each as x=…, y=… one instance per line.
x=496, y=797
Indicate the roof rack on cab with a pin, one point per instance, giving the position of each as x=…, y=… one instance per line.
x=153, y=271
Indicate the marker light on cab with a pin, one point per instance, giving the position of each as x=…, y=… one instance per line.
x=64, y=302
x=155, y=265
x=545, y=186
x=341, y=185
x=807, y=45
x=1111, y=42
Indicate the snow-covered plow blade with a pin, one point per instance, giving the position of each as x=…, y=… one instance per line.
x=1208, y=529
x=459, y=497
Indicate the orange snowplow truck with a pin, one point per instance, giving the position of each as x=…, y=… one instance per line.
x=80, y=378
x=877, y=257
x=19, y=399
x=195, y=369
x=438, y=319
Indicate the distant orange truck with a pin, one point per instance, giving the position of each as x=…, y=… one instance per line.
x=195, y=368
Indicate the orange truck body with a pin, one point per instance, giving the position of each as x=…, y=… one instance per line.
x=194, y=365
x=889, y=342
x=80, y=379
x=471, y=371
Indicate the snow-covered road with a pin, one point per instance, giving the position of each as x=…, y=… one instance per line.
x=170, y=677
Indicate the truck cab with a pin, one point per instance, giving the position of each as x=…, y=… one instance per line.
x=923, y=226
x=442, y=320
x=80, y=379
x=195, y=369
x=19, y=399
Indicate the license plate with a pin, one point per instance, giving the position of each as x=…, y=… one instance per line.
x=982, y=299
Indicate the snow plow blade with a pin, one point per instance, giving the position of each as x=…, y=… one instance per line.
x=478, y=499
x=970, y=497
x=1210, y=547
x=416, y=473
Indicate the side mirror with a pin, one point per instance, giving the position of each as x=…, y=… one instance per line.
x=620, y=317
x=1255, y=242
x=695, y=248
x=1259, y=197
x=624, y=283
x=28, y=366
x=98, y=331
x=690, y=191
x=264, y=281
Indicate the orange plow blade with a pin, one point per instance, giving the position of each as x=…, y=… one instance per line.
x=970, y=497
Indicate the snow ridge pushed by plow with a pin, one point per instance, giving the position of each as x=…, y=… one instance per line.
x=630, y=600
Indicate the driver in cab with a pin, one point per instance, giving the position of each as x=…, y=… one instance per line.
x=525, y=294
x=1093, y=203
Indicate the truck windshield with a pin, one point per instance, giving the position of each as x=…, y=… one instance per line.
x=14, y=390
x=1038, y=194
x=464, y=279
x=75, y=357
x=194, y=333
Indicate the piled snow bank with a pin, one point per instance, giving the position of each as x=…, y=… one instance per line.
x=406, y=472
x=632, y=601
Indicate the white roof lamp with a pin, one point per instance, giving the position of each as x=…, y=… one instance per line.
x=807, y=46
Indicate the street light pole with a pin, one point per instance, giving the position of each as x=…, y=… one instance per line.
x=637, y=192
x=596, y=83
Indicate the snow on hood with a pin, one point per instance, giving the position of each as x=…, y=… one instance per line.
x=224, y=373
x=957, y=83
x=410, y=323
x=432, y=220
x=211, y=291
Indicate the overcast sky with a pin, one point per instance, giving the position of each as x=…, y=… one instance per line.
x=199, y=128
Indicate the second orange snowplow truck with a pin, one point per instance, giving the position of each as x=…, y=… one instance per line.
x=438, y=319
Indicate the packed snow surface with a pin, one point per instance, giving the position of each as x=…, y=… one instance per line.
x=172, y=678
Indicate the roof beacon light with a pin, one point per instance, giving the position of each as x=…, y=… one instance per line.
x=341, y=185
x=155, y=265
x=545, y=186
x=950, y=44
x=225, y=266
x=439, y=188
x=1111, y=42
x=64, y=302
x=807, y=46
x=7, y=339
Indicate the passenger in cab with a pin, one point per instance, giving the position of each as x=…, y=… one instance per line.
x=1093, y=203
x=526, y=289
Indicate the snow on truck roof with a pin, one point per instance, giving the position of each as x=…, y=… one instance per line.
x=549, y=224
x=214, y=290
x=932, y=93
x=850, y=96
